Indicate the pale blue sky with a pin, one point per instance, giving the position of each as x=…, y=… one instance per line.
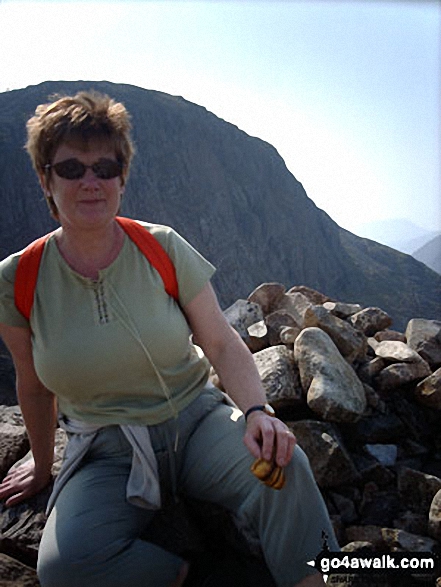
x=348, y=92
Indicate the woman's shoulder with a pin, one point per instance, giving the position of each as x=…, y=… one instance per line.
x=167, y=236
x=8, y=267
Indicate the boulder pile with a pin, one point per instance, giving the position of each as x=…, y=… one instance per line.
x=364, y=402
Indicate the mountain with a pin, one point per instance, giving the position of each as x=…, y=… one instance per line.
x=397, y=233
x=230, y=194
x=430, y=254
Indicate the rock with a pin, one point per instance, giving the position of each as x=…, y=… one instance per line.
x=342, y=310
x=434, y=525
x=401, y=541
x=389, y=335
x=351, y=343
x=345, y=507
x=377, y=429
x=267, y=296
x=21, y=527
x=330, y=462
x=370, y=369
x=417, y=489
x=296, y=304
x=424, y=336
x=428, y=391
x=258, y=338
x=288, y=335
x=243, y=314
x=400, y=374
x=314, y=296
x=333, y=389
x=379, y=507
x=8, y=395
x=397, y=352
x=413, y=523
x=16, y=574
x=276, y=322
x=370, y=320
x=279, y=374
x=386, y=454
x=369, y=533
x=14, y=444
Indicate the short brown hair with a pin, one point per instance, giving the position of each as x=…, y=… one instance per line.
x=80, y=119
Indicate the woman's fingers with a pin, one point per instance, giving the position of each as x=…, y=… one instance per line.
x=269, y=438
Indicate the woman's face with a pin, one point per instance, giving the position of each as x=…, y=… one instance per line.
x=88, y=201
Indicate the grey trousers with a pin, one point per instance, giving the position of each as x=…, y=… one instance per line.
x=91, y=538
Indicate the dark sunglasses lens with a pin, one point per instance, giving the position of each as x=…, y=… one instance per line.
x=74, y=169
x=106, y=168
x=70, y=169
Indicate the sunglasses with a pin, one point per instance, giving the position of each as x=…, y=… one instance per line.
x=74, y=169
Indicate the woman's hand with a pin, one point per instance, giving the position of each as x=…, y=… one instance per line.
x=22, y=482
x=267, y=437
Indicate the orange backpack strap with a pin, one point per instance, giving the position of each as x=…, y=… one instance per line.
x=29, y=264
x=154, y=253
x=26, y=275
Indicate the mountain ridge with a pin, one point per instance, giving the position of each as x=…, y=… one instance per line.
x=230, y=194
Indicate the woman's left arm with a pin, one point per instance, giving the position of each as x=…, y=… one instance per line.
x=235, y=366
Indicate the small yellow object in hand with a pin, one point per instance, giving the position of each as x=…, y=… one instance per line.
x=269, y=473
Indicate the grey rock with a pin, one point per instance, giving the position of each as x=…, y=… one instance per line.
x=397, y=352
x=371, y=320
x=400, y=374
x=315, y=297
x=386, y=454
x=16, y=574
x=428, y=391
x=280, y=375
x=296, y=304
x=342, y=310
x=330, y=462
x=434, y=525
x=424, y=336
x=370, y=369
x=14, y=444
x=417, y=489
x=389, y=335
x=242, y=314
x=333, y=389
x=276, y=322
x=268, y=296
x=351, y=343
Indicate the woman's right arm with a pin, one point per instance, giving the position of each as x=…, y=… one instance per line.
x=38, y=407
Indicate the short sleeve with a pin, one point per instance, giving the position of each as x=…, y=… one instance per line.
x=193, y=271
x=8, y=311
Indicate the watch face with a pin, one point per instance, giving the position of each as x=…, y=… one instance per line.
x=269, y=410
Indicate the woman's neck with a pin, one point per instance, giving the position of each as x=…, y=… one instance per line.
x=87, y=252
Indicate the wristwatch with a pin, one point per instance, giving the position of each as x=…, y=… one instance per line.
x=269, y=410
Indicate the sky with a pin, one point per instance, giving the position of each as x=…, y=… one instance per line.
x=348, y=92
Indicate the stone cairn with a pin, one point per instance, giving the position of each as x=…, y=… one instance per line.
x=364, y=402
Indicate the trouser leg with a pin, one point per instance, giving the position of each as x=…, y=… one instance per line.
x=91, y=536
x=289, y=523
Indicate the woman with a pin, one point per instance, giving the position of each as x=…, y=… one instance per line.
x=109, y=350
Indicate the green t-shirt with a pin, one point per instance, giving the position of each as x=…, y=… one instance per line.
x=104, y=346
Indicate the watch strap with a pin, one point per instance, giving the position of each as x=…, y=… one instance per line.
x=261, y=408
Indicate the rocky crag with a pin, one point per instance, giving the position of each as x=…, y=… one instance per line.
x=230, y=194
x=364, y=401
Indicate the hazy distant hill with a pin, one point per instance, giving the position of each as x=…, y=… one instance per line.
x=398, y=233
x=229, y=194
x=430, y=254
